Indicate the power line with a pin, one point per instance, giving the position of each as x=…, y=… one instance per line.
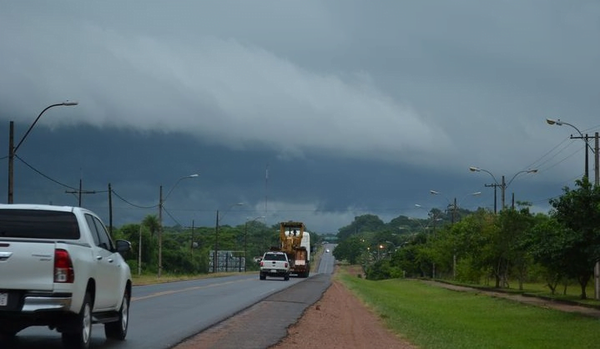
x=44, y=175
x=130, y=203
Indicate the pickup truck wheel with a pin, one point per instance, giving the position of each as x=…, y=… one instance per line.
x=118, y=329
x=262, y=277
x=286, y=277
x=78, y=337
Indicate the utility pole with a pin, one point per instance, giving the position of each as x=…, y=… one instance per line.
x=587, y=166
x=596, y=183
x=495, y=186
x=245, y=243
x=596, y=158
x=80, y=191
x=110, y=215
x=192, y=244
x=215, y=258
x=140, y=251
x=454, y=211
x=160, y=231
x=503, y=186
x=11, y=160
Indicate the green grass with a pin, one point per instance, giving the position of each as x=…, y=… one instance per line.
x=434, y=317
x=151, y=279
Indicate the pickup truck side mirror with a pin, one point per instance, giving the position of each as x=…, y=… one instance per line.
x=123, y=246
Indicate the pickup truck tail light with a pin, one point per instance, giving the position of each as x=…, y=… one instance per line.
x=63, y=267
x=286, y=265
x=262, y=263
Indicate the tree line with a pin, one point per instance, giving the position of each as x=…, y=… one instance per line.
x=514, y=245
x=186, y=250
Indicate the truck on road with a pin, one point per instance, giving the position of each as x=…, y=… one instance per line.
x=274, y=264
x=295, y=242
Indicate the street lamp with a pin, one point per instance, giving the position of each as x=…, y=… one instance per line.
x=161, y=201
x=433, y=217
x=12, y=150
x=246, y=237
x=218, y=219
x=454, y=205
x=503, y=185
x=559, y=122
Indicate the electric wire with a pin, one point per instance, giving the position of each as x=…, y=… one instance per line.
x=44, y=175
x=170, y=215
x=131, y=203
x=76, y=189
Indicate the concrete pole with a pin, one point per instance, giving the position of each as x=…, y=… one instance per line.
x=597, y=175
x=587, y=163
x=596, y=183
x=215, y=257
x=11, y=160
x=503, y=187
x=160, y=231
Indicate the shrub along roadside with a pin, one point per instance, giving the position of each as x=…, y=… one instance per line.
x=433, y=317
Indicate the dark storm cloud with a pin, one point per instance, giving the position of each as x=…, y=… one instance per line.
x=355, y=107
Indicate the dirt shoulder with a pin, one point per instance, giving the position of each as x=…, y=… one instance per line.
x=340, y=320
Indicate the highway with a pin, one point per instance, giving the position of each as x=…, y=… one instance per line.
x=163, y=315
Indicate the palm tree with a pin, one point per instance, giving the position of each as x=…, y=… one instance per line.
x=151, y=222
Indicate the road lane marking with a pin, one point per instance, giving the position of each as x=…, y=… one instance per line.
x=165, y=293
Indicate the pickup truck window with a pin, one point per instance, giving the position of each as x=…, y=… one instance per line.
x=101, y=237
x=274, y=257
x=38, y=224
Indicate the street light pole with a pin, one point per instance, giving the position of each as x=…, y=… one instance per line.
x=12, y=150
x=454, y=204
x=246, y=238
x=503, y=185
x=215, y=257
x=559, y=122
x=161, y=202
x=160, y=230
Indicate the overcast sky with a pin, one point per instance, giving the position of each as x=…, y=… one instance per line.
x=316, y=111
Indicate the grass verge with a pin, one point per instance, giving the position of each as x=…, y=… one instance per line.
x=434, y=317
x=151, y=279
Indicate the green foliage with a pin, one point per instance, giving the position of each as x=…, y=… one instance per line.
x=151, y=222
x=149, y=247
x=361, y=224
x=579, y=211
x=350, y=249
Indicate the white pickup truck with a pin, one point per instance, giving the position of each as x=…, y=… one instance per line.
x=60, y=268
x=275, y=264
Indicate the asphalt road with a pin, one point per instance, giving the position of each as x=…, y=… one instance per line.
x=166, y=314
x=265, y=323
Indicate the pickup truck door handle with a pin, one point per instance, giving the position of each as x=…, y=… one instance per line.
x=110, y=260
x=5, y=255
